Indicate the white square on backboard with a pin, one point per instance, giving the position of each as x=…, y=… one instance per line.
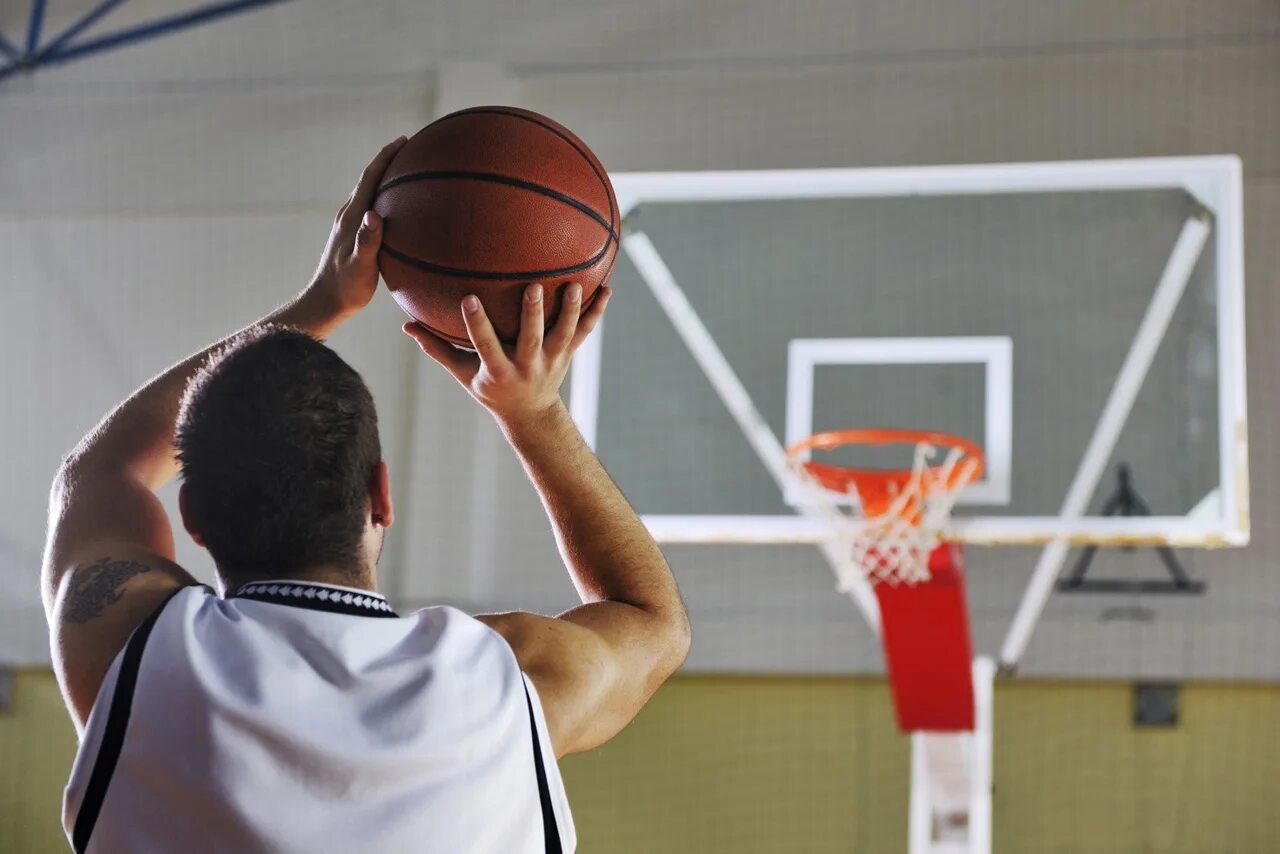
x=994, y=353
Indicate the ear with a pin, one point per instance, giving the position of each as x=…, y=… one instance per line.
x=184, y=509
x=380, y=507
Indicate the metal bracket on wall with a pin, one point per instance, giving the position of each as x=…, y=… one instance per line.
x=1156, y=704
x=1126, y=501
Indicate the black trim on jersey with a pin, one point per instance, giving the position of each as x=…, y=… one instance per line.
x=550, y=831
x=104, y=765
x=317, y=597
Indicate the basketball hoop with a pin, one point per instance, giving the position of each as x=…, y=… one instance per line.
x=903, y=511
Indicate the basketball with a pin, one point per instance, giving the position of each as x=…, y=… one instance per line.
x=486, y=201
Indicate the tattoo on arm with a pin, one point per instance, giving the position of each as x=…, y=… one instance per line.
x=96, y=586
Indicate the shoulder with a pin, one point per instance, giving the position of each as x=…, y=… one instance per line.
x=459, y=625
x=101, y=600
x=469, y=637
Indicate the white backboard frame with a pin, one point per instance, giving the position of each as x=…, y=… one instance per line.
x=1214, y=181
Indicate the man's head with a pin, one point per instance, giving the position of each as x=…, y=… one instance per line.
x=281, y=465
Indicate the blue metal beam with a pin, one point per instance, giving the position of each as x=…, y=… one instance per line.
x=89, y=19
x=143, y=32
x=8, y=49
x=34, y=25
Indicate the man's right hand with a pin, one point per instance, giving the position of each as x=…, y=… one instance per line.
x=595, y=665
x=521, y=383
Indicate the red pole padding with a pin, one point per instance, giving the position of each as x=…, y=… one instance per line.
x=927, y=647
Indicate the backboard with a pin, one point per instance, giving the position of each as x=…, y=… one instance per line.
x=1068, y=317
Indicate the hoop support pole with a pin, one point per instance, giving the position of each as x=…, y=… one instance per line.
x=1133, y=371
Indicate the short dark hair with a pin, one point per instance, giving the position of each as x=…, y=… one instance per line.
x=278, y=440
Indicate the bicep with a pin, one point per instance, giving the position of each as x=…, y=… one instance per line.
x=593, y=667
x=108, y=564
x=92, y=510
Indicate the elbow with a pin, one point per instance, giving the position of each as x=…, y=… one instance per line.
x=678, y=637
x=665, y=641
x=71, y=472
x=63, y=479
x=70, y=468
x=81, y=464
x=684, y=637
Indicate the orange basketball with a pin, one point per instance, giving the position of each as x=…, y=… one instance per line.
x=486, y=201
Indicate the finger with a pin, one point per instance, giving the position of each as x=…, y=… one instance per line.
x=482, y=336
x=367, y=186
x=591, y=319
x=567, y=322
x=529, y=342
x=368, y=241
x=461, y=364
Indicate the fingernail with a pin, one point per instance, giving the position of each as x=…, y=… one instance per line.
x=534, y=293
x=367, y=220
x=575, y=291
x=470, y=304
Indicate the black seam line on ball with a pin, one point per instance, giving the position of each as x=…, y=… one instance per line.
x=463, y=273
x=586, y=155
x=494, y=178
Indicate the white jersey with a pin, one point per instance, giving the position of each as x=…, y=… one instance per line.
x=296, y=716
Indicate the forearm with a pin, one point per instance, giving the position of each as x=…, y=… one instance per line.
x=597, y=664
x=137, y=437
x=608, y=551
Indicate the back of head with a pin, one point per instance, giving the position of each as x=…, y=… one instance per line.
x=278, y=440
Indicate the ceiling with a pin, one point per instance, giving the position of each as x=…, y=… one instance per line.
x=329, y=41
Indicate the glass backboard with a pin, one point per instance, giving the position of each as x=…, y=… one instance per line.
x=1069, y=318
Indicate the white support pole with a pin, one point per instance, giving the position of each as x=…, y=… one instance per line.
x=980, y=756
x=733, y=394
x=1168, y=293
x=920, y=807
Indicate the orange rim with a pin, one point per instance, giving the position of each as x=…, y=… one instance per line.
x=877, y=488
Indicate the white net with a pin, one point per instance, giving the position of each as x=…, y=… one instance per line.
x=893, y=545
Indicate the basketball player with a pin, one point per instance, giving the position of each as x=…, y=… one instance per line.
x=299, y=711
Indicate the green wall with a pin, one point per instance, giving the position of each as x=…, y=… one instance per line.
x=37, y=745
x=815, y=765
x=748, y=765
